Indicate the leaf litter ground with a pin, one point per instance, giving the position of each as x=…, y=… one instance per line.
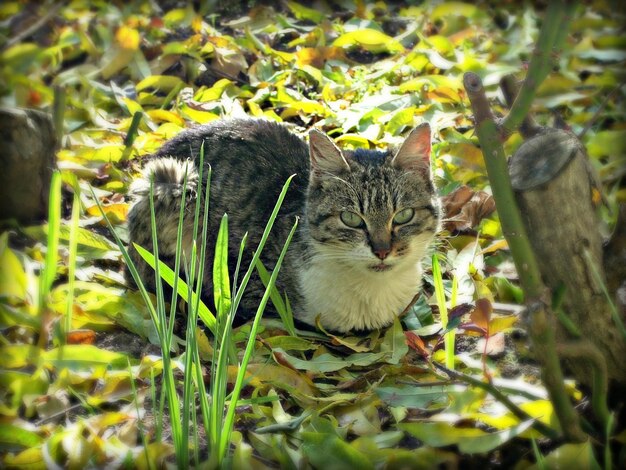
x=365, y=73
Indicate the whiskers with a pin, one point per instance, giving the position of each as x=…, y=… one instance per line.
x=348, y=256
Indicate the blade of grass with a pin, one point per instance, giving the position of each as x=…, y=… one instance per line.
x=440, y=295
x=230, y=414
x=257, y=253
x=282, y=307
x=198, y=306
x=71, y=269
x=49, y=271
x=221, y=280
x=219, y=371
x=180, y=445
x=167, y=274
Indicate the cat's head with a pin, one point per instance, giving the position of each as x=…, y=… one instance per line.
x=372, y=210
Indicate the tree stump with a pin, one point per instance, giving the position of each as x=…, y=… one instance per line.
x=27, y=161
x=554, y=189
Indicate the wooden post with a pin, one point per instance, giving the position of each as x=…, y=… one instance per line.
x=554, y=187
x=27, y=159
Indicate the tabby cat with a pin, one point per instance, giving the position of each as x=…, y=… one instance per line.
x=367, y=217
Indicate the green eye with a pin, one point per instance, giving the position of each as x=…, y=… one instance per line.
x=351, y=219
x=404, y=216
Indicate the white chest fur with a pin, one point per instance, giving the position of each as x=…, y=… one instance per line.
x=347, y=297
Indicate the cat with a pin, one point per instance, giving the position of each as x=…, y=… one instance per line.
x=366, y=217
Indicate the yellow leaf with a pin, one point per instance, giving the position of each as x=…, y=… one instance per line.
x=163, y=83
x=213, y=93
x=30, y=458
x=443, y=95
x=254, y=108
x=317, y=56
x=283, y=377
x=196, y=115
x=369, y=39
x=354, y=140
x=495, y=246
x=196, y=24
x=116, y=213
x=162, y=115
x=176, y=16
x=132, y=106
x=127, y=38
x=12, y=275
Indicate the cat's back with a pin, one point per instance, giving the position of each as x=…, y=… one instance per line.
x=250, y=161
x=247, y=145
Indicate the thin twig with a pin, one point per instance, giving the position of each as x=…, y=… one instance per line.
x=497, y=170
x=502, y=398
x=541, y=322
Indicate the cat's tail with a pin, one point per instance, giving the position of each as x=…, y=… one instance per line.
x=164, y=178
x=167, y=177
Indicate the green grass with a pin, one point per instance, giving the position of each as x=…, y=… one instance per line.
x=71, y=269
x=440, y=295
x=49, y=272
x=218, y=413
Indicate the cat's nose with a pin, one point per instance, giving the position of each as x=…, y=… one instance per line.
x=382, y=253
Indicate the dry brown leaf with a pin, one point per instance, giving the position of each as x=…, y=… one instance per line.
x=465, y=208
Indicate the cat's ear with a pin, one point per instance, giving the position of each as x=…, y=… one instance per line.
x=414, y=153
x=325, y=155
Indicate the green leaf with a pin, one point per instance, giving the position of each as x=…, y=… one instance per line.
x=466, y=10
x=283, y=308
x=328, y=363
x=84, y=237
x=400, y=120
x=412, y=396
x=21, y=57
x=17, y=384
x=329, y=452
x=13, y=438
x=394, y=343
x=83, y=356
x=468, y=440
x=607, y=143
x=290, y=343
x=369, y=39
x=303, y=13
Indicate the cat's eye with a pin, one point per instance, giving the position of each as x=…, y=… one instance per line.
x=351, y=219
x=404, y=216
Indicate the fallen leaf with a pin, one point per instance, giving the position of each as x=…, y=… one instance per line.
x=465, y=208
x=81, y=337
